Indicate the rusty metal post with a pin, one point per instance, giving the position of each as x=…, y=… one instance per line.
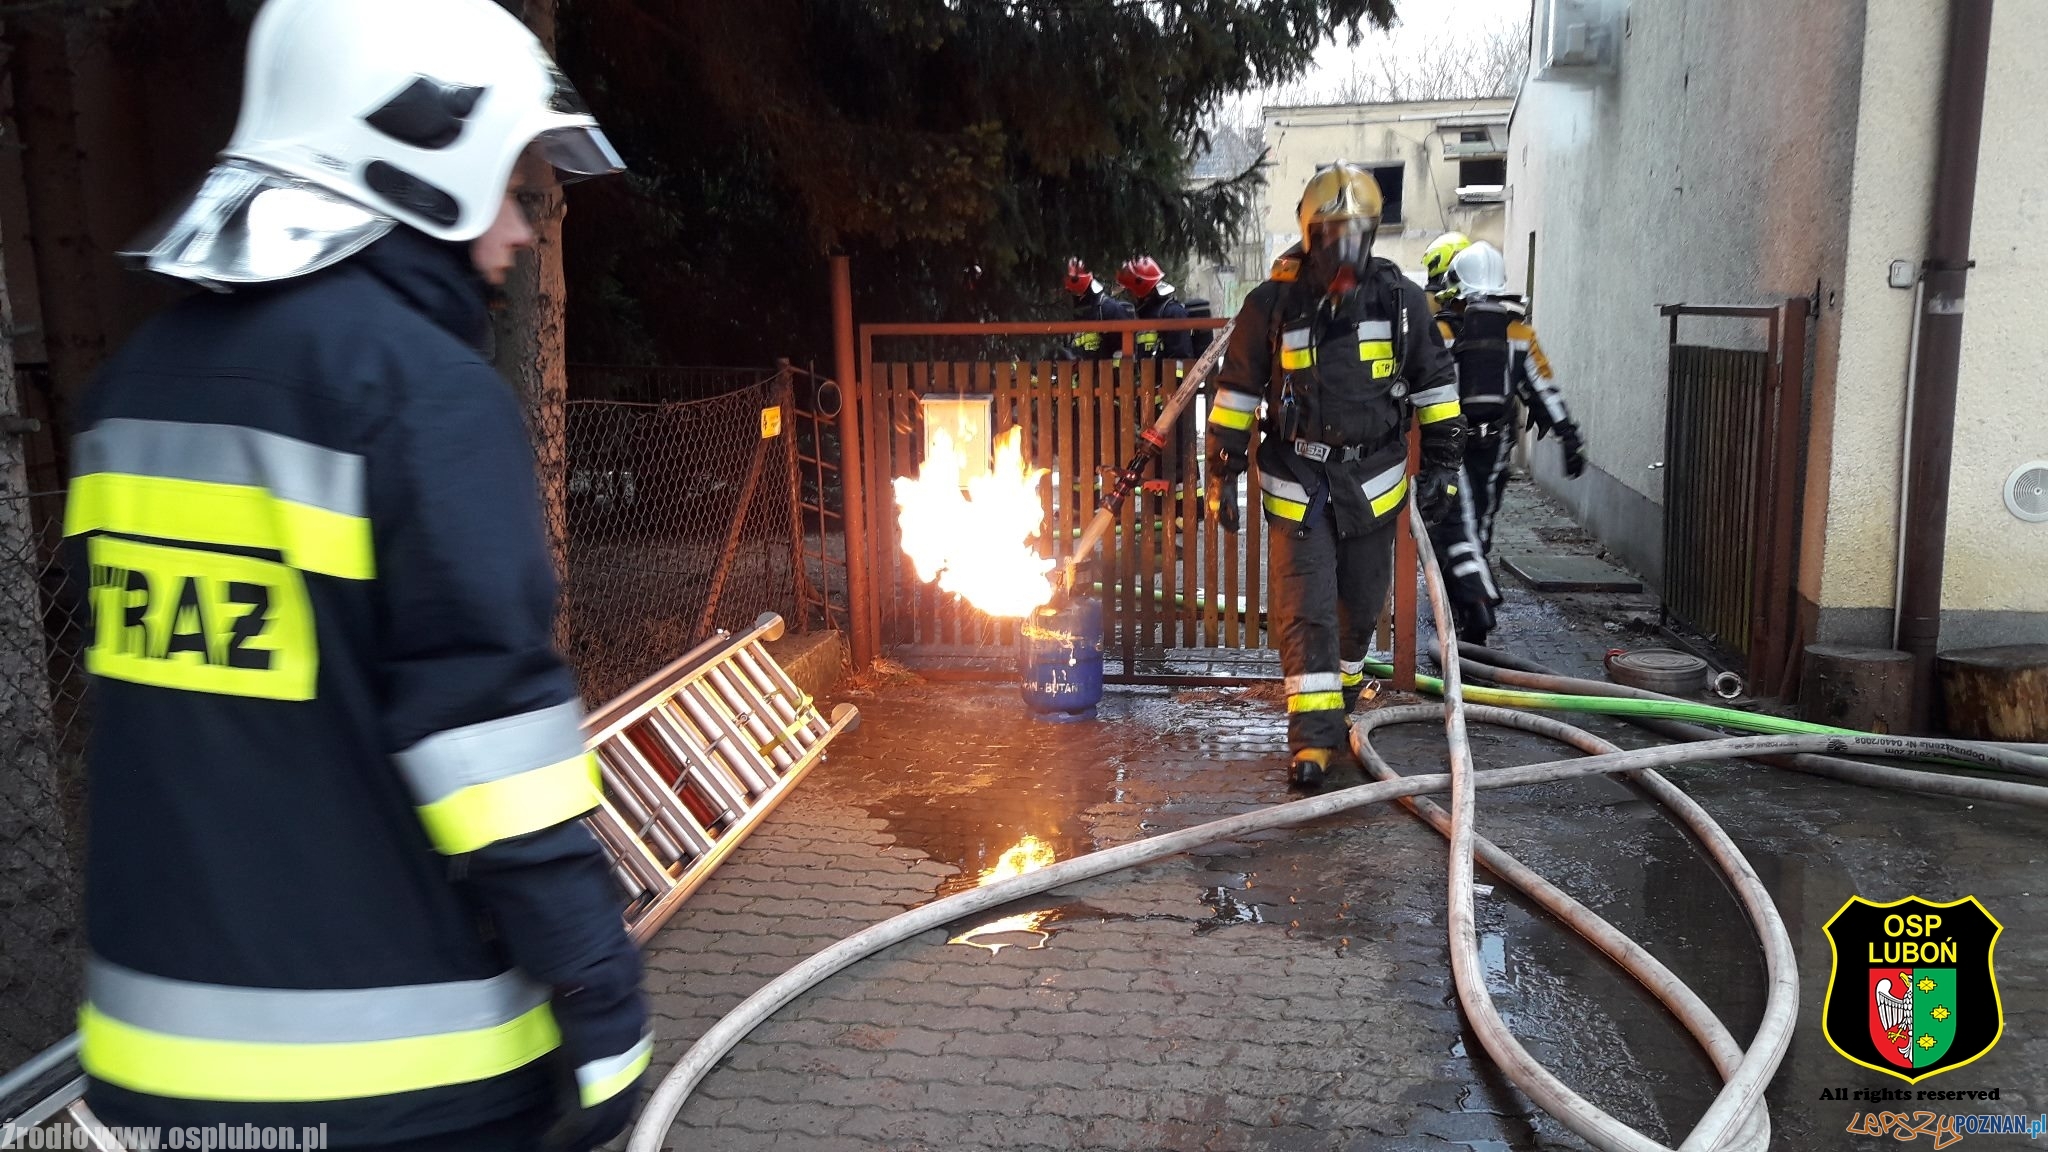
x=733, y=535
x=1407, y=626
x=853, y=400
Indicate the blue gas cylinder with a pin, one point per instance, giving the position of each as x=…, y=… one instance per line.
x=1060, y=659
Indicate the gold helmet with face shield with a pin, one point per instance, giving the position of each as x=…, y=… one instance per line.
x=1339, y=213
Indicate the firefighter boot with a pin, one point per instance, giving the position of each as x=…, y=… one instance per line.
x=1473, y=621
x=1308, y=768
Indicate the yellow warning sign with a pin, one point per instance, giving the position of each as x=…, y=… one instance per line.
x=771, y=422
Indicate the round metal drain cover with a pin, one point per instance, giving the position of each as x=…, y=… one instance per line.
x=1659, y=670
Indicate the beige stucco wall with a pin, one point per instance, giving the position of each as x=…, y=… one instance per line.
x=1993, y=559
x=1709, y=168
x=1996, y=561
x=1300, y=139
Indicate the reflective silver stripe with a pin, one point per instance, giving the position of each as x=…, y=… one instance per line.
x=1236, y=401
x=1314, y=682
x=225, y=454
x=1375, y=330
x=307, y=1016
x=1295, y=339
x=1285, y=489
x=1351, y=667
x=1463, y=548
x=447, y=762
x=1443, y=394
x=598, y=1071
x=1385, y=482
x=1465, y=568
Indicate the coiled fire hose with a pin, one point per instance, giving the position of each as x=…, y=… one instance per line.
x=1735, y=1122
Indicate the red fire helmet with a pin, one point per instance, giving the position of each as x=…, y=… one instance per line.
x=1139, y=275
x=1079, y=279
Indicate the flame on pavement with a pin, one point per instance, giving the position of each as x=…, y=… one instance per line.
x=1029, y=855
x=977, y=544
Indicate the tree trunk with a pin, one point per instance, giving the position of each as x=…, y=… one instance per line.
x=1995, y=693
x=1868, y=689
x=530, y=333
x=39, y=899
x=59, y=235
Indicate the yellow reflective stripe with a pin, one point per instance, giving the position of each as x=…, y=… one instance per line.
x=1285, y=509
x=1376, y=350
x=1352, y=679
x=182, y=1067
x=1232, y=419
x=1316, y=702
x=197, y=621
x=483, y=814
x=1383, y=504
x=1435, y=412
x=600, y=1080
x=311, y=539
x=1295, y=359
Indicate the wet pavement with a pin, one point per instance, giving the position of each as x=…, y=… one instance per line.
x=1289, y=991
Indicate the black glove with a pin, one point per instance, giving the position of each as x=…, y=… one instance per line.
x=601, y=1020
x=1574, y=448
x=1436, y=494
x=579, y=1129
x=1226, y=462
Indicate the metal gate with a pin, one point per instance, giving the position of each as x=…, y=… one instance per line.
x=1733, y=428
x=1177, y=592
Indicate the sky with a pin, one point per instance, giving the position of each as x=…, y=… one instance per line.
x=1421, y=22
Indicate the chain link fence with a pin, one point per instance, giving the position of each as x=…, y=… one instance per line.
x=42, y=786
x=682, y=519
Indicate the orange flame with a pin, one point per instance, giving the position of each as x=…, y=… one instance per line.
x=1029, y=855
x=977, y=544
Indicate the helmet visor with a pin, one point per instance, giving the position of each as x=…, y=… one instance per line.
x=577, y=153
x=1343, y=242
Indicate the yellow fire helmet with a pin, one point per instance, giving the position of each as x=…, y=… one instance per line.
x=1436, y=259
x=1340, y=191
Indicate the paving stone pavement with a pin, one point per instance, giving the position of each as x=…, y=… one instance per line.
x=1290, y=991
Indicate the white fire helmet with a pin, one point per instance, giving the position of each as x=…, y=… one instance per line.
x=359, y=115
x=1481, y=271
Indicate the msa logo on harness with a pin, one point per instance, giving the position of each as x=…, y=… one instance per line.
x=200, y=621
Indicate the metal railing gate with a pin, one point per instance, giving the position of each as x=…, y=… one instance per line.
x=1177, y=592
x=1734, y=428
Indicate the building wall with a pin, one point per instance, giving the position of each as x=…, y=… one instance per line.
x=1991, y=591
x=1710, y=167
x=1302, y=138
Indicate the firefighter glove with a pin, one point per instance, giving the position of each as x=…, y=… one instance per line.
x=1225, y=465
x=1436, y=494
x=1574, y=448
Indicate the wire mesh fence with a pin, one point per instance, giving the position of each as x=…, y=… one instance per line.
x=682, y=519
x=42, y=791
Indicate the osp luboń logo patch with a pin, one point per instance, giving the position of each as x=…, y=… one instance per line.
x=1912, y=993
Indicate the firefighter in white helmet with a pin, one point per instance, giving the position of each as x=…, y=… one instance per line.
x=337, y=875
x=1499, y=360
x=1337, y=349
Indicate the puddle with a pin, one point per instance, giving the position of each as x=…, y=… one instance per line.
x=1228, y=910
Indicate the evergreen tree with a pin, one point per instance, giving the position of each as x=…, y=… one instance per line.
x=958, y=150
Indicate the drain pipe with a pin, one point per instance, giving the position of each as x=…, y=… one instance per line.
x=1933, y=414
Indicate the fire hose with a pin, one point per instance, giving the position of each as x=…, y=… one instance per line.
x=1151, y=442
x=1734, y=1122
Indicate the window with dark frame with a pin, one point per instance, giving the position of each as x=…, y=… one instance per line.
x=1389, y=177
x=1472, y=172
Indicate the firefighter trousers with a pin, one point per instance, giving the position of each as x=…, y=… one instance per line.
x=1326, y=600
x=1460, y=553
x=1488, y=448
